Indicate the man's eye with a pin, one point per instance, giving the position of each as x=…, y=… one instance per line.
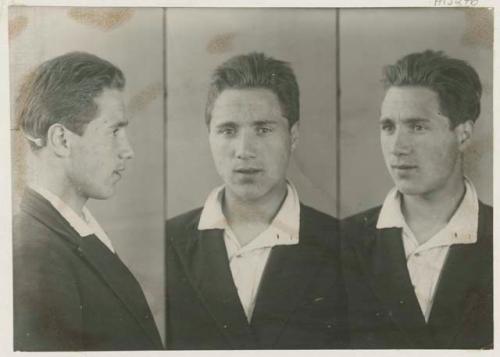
x=388, y=127
x=264, y=130
x=116, y=131
x=417, y=127
x=226, y=131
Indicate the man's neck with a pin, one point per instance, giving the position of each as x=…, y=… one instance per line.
x=248, y=219
x=53, y=181
x=427, y=214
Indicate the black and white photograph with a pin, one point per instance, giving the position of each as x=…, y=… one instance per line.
x=88, y=261
x=267, y=178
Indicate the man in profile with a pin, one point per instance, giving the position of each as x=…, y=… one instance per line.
x=253, y=268
x=71, y=290
x=419, y=269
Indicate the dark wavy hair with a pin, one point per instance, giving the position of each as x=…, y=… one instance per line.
x=455, y=81
x=62, y=90
x=256, y=70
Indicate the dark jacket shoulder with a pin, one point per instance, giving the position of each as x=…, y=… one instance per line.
x=370, y=215
x=367, y=217
x=353, y=228
x=183, y=221
x=185, y=217
x=486, y=217
x=318, y=228
x=321, y=218
x=485, y=207
x=37, y=242
x=310, y=217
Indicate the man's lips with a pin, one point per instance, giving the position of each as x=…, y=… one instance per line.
x=119, y=171
x=403, y=167
x=247, y=171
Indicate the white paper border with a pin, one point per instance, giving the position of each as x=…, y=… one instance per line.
x=6, y=340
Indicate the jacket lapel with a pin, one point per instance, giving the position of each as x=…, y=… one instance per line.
x=104, y=263
x=204, y=259
x=455, y=297
x=287, y=274
x=39, y=208
x=118, y=277
x=381, y=253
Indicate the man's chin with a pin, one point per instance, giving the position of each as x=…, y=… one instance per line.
x=245, y=194
x=409, y=190
x=103, y=195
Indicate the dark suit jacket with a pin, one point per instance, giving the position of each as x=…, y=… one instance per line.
x=73, y=293
x=383, y=309
x=301, y=300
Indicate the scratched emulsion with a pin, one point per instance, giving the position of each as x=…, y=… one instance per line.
x=221, y=43
x=17, y=25
x=101, y=18
x=479, y=27
x=142, y=99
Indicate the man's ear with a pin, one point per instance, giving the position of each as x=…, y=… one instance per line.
x=58, y=139
x=464, y=134
x=294, y=135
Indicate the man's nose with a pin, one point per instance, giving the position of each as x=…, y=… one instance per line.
x=245, y=145
x=126, y=151
x=401, y=142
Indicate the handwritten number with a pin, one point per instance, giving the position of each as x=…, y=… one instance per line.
x=456, y=2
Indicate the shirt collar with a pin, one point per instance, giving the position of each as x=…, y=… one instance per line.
x=85, y=226
x=461, y=228
x=283, y=230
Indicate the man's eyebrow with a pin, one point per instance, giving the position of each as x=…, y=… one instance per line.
x=415, y=120
x=406, y=120
x=226, y=124
x=119, y=124
x=264, y=122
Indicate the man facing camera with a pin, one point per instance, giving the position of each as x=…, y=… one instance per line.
x=253, y=268
x=419, y=269
x=71, y=290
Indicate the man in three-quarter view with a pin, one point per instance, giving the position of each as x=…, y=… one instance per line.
x=71, y=290
x=254, y=268
x=419, y=268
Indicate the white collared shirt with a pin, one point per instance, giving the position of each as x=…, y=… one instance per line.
x=83, y=226
x=247, y=263
x=425, y=262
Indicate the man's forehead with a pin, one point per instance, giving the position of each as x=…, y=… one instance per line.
x=247, y=99
x=247, y=105
x=111, y=109
x=410, y=95
x=246, y=122
x=114, y=119
x=409, y=102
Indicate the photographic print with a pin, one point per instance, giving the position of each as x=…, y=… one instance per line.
x=251, y=178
